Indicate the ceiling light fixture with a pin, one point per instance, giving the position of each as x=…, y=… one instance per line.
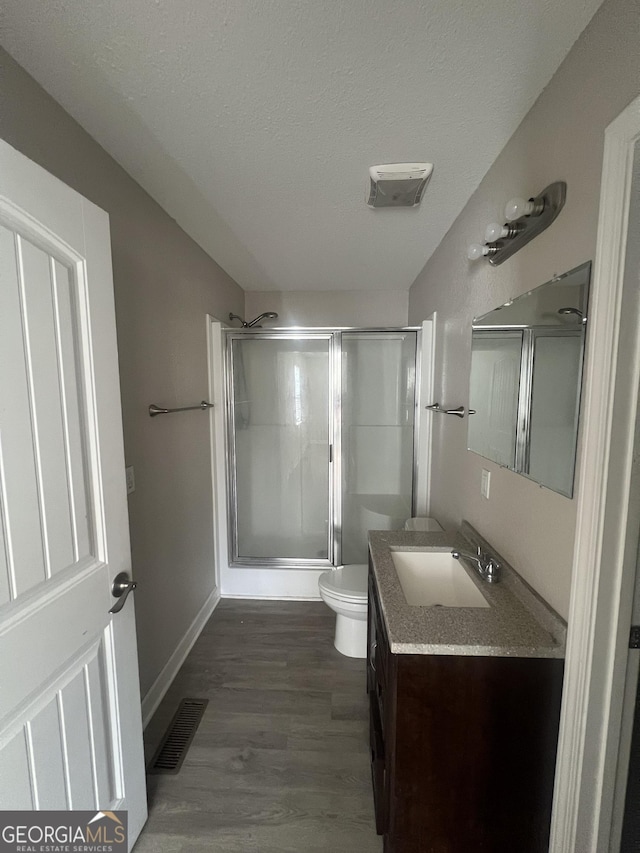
x=525, y=220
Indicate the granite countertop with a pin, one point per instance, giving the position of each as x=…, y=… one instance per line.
x=517, y=623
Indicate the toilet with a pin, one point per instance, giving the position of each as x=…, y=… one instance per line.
x=345, y=591
x=426, y=525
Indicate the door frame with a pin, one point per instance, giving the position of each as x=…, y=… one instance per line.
x=603, y=573
x=216, y=356
x=216, y=440
x=425, y=385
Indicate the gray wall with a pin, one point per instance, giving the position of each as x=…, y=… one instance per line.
x=561, y=138
x=330, y=307
x=164, y=286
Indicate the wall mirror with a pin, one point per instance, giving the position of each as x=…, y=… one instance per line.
x=526, y=378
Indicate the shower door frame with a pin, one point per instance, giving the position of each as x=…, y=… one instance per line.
x=235, y=560
x=334, y=412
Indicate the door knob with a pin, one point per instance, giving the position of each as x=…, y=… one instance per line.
x=120, y=588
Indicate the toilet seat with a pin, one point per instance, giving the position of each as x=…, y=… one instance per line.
x=347, y=584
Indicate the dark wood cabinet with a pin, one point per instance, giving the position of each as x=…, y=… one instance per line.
x=462, y=747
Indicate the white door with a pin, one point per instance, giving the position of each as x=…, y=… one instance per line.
x=70, y=721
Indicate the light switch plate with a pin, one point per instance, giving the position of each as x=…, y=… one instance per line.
x=131, y=479
x=485, y=484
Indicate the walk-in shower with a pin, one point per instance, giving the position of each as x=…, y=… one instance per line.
x=321, y=442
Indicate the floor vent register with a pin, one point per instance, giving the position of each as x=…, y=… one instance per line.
x=177, y=739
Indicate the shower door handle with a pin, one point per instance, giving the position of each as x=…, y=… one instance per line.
x=330, y=453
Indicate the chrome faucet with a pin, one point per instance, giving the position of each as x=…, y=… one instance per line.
x=488, y=568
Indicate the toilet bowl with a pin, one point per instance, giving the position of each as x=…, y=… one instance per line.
x=345, y=591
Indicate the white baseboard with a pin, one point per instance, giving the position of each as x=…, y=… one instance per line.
x=156, y=692
x=248, y=597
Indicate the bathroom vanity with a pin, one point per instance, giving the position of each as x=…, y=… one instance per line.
x=464, y=709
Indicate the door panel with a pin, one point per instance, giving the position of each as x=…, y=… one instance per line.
x=280, y=430
x=5, y=590
x=70, y=727
x=74, y=699
x=42, y=460
x=69, y=369
x=47, y=766
x=24, y=545
x=62, y=744
x=15, y=779
x=43, y=379
x=377, y=408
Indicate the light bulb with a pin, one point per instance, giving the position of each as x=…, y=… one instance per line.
x=495, y=231
x=476, y=251
x=516, y=208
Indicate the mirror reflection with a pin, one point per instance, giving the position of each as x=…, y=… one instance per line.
x=526, y=378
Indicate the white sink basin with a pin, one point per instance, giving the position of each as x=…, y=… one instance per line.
x=434, y=578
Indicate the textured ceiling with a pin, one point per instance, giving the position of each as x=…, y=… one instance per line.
x=254, y=123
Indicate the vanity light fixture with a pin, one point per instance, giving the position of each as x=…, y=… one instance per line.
x=518, y=207
x=479, y=250
x=495, y=232
x=526, y=218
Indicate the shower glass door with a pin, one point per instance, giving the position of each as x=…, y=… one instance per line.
x=321, y=443
x=280, y=453
x=377, y=435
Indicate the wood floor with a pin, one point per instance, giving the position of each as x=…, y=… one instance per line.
x=280, y=761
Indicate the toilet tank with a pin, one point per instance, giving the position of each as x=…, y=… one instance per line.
x=426, y=525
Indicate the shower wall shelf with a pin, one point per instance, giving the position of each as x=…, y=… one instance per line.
x=158, y=410
x=459, y=412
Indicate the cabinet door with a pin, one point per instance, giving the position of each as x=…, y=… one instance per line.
x=378, y=767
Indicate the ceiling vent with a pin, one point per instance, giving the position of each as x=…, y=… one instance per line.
x=398, y=184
